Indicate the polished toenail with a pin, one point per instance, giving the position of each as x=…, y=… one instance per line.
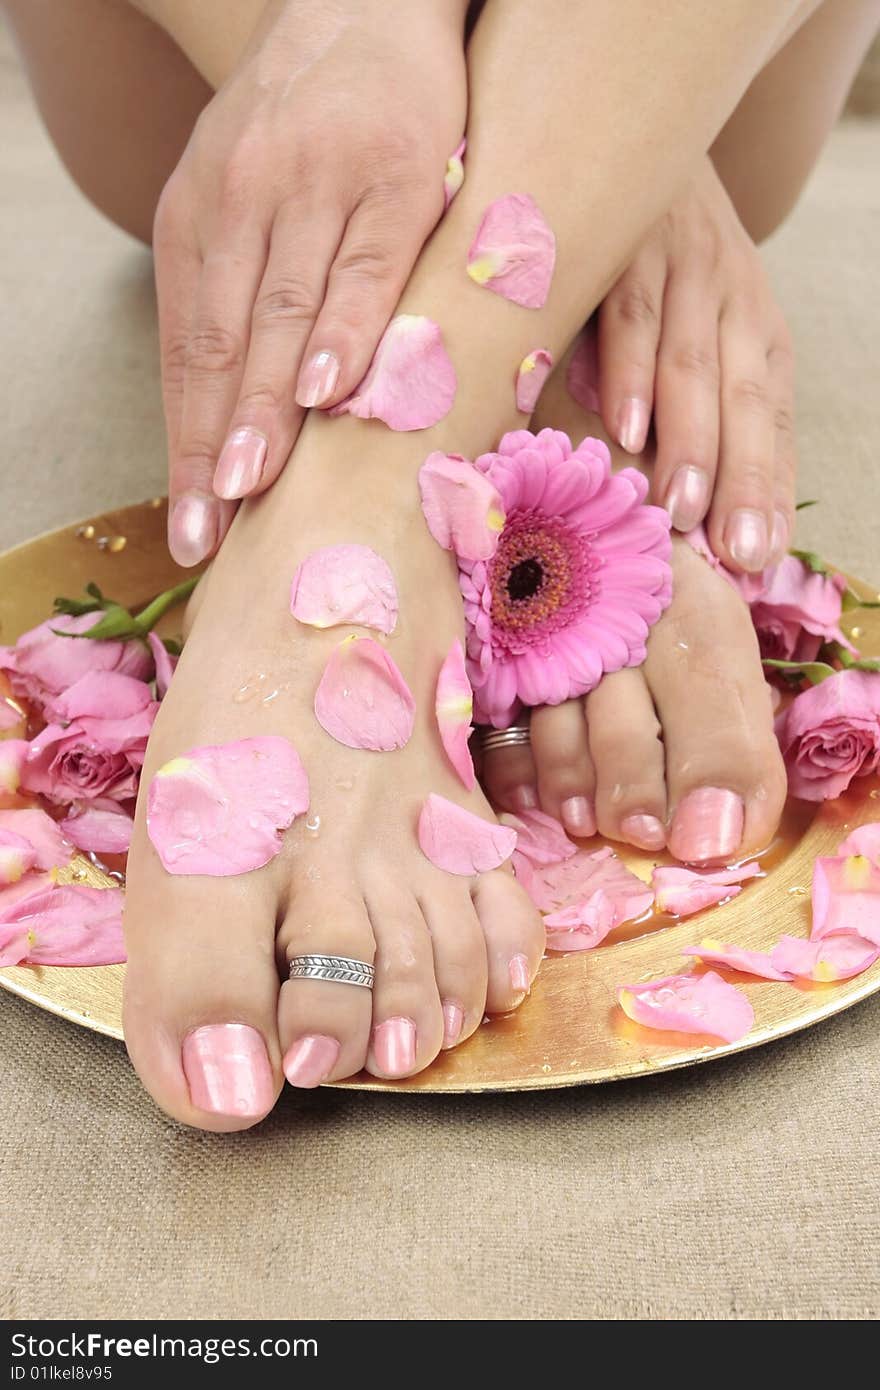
x=227, y=1070
x=633, y=420
x=310, y=1060
x=780, y=538
x=687, y=497
x=524, y=798
x=746, y=537
x=453, y=1020
x=394, y=1043
x=192, y=530
x=520, y=975
x=577, y=816
x=708, y=825
x=645, y=832
x=241, y=462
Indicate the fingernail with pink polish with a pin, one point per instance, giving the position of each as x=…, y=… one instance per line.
x=192, y=529
x=780, y=537
x=577, y=816
x=708, y=825
x=317, y=380
x=520, y=976
x=746, y=538
x=241, y=462
x=524, y=798
x=394, y=1044
x=310, y=1060
x=227, y=1070
x=645, y=832
x=633, y=420
x=453, y=1021
x=687, y=497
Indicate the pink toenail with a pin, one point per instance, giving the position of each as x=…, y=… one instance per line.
x=394, y=1043
x=577, y=816
x=708, y=825
x=453, y=1019
x=227, y=1070
x=645, y=832
x=520, y=975
x=310, y=1060
x=525, y=798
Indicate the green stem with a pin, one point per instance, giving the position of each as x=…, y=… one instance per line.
x=149, y=616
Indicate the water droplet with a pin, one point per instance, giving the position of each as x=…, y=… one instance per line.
x=683, y=646
x=156, y=502
x=546, y=1067
x=312, y=873
x=86, y=533
x=799, y=891
x=855, y=632
x=313, y=825
x=117, y=543
x=345, y=784
x=875, y=794
x=78, y=874
x=103, y=542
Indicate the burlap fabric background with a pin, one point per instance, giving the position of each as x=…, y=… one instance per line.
x=747, y=1189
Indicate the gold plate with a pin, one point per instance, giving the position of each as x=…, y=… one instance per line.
x=570, y=1031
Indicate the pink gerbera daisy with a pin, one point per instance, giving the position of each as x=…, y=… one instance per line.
x=580, y=573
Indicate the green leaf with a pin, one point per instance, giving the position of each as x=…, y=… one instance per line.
x=75, y=607
x=813, y=671
x=853, y=600
x=811, y=502
x=812, y=561
x=117, y=624
x=865, y=663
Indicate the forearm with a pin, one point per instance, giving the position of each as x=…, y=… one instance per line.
x=768, y=147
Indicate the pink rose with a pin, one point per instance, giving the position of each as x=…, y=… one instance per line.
x=798, y=611
x=94, y=743
x=41, y=665
x=830, y=734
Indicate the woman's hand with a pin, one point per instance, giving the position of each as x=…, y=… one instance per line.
x=691, y=333
x=287, y=232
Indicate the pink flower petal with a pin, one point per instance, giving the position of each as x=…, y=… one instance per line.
x=758, y=963
x=13, y=754
x=344, y=584
x=454, y=705
x=846, y=898
x=410, y=384
x=681, y=891
x=582, y=376
x=51, y=850
x=462, y=507
x=750, y=587
x=540, y=838
x=69, y=925
x=865, y=839
x=830, y=733
x=583, y=926
x=106, y=694
x=689, y=1004
x=834, y=958
x=798, y=611
x=165, y=663
x=11, y=713
x=99, y=832
x=362, y=699
x=454, y=176
x=17, y=855
x=32, y=883
x=220, y=810
x=575, y=879
x=460, y=842
x=531, y=375
x=514, y=251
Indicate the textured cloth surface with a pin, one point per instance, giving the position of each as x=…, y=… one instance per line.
x=744, y=1189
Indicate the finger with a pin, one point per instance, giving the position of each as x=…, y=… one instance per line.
x=629, y=331
x=178, y=267
x=780, y=365
x=741, y=518
x=687, y=408
x=266, y=418
x=215, y=355
x=367, y=277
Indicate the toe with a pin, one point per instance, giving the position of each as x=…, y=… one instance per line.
x=510, y=778
x=514, y=935
x=201, y=994
x=324, y=1025
x=625, y=745
x=459, y=947
x=407, y=1011
x=566, y=779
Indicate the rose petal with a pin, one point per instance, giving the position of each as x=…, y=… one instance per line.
x=830, y=733
x=681, y=891
x=410, y=383
x=344, y=584
x=846, y=897
x=582, y=376
x=865, y=839
x=575, y=879
x=689, y=1004
x=13, y=754
x=99, y=832
x=757, y=963
x=17, y=855
x=531, y=375
x=454, y=705
x=102, y=694
x=540, y=838
x=833, y=958
x=219, y=810
x=362, y=699
x=165, y=663
x=51, y=850
x=462, y=507
x=514, y=251
x=583, y=926
x=460, y=842
x=454, y=176
x=69, y=925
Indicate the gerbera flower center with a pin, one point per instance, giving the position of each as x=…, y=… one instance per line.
x=525, y=579
x=539, y=573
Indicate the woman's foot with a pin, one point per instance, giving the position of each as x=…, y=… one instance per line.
x=210, y=1026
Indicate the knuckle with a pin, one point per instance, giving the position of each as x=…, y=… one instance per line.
x=260, y=398
x=175, y=351
x=696, y=360
x=371, y=262
x=291, y=302
x=212, y=350
x=636, y=304
x=750, y=393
